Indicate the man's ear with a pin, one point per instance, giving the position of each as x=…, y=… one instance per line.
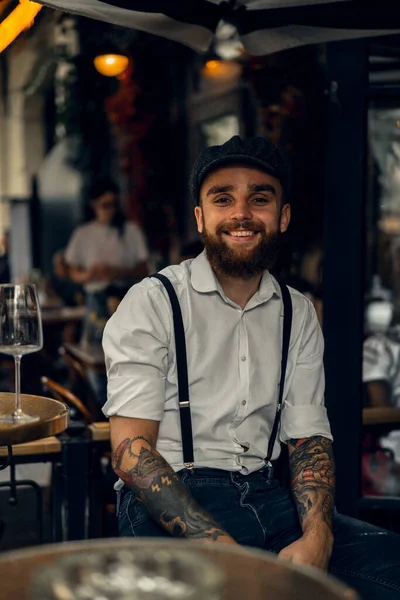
x=198, y=213
x=285, y=218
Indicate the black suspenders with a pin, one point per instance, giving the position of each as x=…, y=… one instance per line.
x=183, y=383
x=287, y=328
x=181, y=366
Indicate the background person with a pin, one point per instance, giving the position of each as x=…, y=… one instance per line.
x=106, y=251
x=106, y=256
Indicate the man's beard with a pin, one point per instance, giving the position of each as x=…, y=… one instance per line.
x=243, y=263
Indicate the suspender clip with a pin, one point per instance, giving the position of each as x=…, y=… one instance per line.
x=189, y=467
x=269, y=470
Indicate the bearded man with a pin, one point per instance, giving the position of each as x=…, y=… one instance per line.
x=213, y=366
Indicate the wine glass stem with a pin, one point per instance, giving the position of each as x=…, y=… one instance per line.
x=18, y=410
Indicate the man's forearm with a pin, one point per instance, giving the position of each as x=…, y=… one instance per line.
x=166, y=498
x=313, y=481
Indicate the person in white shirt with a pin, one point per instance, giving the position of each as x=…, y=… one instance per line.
x=107, y=251
x=210, y=473
x=105, y=256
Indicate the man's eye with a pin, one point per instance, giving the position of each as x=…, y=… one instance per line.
x=221, y=200
x=260, y=200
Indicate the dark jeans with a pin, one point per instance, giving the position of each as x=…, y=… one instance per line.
x=261, y=513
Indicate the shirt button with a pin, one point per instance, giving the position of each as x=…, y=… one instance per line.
x=244, y=402
x=243, y=359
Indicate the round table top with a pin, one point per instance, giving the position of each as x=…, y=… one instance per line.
x=54, y=418
x=249, y=574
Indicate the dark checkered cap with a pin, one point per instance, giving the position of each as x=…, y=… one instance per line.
x=256, y=152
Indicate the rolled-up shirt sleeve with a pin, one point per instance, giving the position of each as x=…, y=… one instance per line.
x=304, y=414
x=135, y=343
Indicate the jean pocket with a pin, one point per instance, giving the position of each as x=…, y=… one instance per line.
x=134, y=510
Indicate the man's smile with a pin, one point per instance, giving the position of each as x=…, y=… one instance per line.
x=241, y=236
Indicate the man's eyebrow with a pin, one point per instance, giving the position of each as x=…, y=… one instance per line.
x=219, y=189
x=264, y=187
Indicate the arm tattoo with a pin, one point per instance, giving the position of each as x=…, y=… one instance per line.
x=313, y=479
x=167, y=500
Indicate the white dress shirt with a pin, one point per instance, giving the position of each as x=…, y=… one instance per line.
x=234, y=358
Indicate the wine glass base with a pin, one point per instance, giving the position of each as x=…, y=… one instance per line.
x=21, y=419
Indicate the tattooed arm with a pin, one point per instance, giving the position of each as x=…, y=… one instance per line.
x=154, y=482
x=312, y=481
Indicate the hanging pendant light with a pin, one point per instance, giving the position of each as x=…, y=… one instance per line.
x=111, y=65
x=221, y=70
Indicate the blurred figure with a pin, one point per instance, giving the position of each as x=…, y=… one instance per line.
x=106, y=256
x=106, y=251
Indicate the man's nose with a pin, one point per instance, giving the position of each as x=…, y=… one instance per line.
x=241, y=210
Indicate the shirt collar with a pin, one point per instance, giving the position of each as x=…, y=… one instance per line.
x=204, y=280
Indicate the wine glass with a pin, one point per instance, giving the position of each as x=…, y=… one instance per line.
x=20, y=333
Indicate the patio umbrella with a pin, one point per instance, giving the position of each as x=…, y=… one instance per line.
x=265, y=26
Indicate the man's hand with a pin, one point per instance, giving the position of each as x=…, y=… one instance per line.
x=311, y=549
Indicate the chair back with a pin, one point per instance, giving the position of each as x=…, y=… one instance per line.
x=59, y=392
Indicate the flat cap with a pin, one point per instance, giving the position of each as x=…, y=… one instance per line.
x=257, y=152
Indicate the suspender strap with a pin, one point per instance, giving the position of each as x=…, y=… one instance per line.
x=181, y=363
x=287, y=327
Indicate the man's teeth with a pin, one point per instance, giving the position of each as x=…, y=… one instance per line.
x=242, y=233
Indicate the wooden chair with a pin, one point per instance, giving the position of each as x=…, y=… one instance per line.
x=81, y=384
x=59, y=392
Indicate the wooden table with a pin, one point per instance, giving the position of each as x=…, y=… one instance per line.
x=248, y=574
x=91, y=355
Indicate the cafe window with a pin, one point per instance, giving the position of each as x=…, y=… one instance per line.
x=381, y=345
